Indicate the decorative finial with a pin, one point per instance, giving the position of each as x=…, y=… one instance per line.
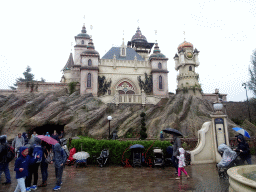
x=71, y=46
x=184, y=35
x=156, y=35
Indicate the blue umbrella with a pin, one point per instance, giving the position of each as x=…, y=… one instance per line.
x=137, y=146
x=241, y=131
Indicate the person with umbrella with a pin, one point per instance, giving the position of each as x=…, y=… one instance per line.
x=243, y=147
x=176, y=145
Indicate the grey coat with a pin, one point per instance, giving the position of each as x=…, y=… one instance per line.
x=18, y=142
x=176, y=146
x=59, y=156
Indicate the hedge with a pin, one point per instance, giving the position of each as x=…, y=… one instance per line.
x=116, y=148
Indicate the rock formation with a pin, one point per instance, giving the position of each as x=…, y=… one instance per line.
x=87, y=115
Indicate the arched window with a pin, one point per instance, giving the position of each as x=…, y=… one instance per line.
x=89, y=80
x=89, y=62
x=160, y=82
x=190, y=68
x=82, y=42
x=159, y=65
x=123, y=51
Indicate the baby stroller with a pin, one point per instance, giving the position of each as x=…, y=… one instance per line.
x=137, y=154
x=103, y=158
x=81, y=158
x=159, y=157
x=229, y=159
x=168, y=156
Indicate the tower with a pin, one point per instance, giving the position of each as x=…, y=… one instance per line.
x=89, y=70
x=159, y=72
x=185, y=62
x=140, y=44
x=82, y=40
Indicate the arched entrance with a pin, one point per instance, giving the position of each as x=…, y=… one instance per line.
x=127, y=93
x=46, y=128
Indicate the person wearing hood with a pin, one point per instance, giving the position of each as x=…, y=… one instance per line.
x=244, y=149
x=47, y=134
x=4, y=164
x=59, y=160
x=25, y=136
x=176, y=146
x=31, y=162
x=35, y=166
x=181, y=163
x=21, y=168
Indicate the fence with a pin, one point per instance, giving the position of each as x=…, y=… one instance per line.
x=191, y=143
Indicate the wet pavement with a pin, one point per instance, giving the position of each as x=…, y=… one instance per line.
x=204, y=178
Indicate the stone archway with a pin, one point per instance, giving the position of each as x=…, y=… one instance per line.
x=47, y=128
x=127, y=92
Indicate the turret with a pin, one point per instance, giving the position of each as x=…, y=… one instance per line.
x=185, y=62
x=82, y=40
x=159, y=72
x=89, y=70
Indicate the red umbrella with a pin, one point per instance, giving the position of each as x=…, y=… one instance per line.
x=47, y=139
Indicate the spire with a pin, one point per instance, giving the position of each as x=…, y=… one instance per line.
x=90, y=45
x=83, y=29
x=157, y=54
x=70, y=63
x=156, y=48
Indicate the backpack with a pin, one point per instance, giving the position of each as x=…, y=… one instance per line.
x=66, y=150
x=1, y=153
x=64, y=155
x=38, y=151
x=10, y=154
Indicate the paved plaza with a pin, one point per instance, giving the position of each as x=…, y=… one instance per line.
x=114, y=178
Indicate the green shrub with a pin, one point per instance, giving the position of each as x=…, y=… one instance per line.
x=72, y=87
x=116, y=148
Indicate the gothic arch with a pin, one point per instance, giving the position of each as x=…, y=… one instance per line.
x=134, y=87
x=160, y=82
x=89, y=80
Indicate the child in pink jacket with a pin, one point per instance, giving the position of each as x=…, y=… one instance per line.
x=181, y=163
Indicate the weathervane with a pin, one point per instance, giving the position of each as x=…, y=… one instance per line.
x=91, y=27
x=184, y=35
x=156, y=35
x=71, y=46
x=138, y=21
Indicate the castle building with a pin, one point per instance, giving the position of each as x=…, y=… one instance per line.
x=125, y=74
x=185, y=62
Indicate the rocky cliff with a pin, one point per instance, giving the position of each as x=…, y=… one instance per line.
x=87, y=115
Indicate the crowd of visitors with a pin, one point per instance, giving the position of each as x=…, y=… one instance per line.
x=30, y=155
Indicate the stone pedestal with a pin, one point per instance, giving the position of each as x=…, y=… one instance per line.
x=210, y=136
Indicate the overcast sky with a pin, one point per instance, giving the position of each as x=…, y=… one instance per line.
x=39, y=34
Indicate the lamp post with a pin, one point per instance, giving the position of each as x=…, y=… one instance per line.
x=109, y=119
x=244, y=84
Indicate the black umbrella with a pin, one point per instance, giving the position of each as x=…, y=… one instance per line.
x=137, y=146
x=172, y=131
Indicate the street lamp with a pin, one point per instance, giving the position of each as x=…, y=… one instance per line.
x=109, y=119
x=244, y=84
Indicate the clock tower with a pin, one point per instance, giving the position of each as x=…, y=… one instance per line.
x=185, y=62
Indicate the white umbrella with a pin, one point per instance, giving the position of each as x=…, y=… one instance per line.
x=81, y=155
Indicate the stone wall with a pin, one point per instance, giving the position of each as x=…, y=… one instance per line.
x=7, y=92
x=239, y=110
x=212, y=97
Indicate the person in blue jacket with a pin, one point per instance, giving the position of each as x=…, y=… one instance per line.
x=21, y=168
x=59, y=159
x=31, y=162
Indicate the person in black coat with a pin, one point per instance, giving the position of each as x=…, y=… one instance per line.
x=243, y=147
